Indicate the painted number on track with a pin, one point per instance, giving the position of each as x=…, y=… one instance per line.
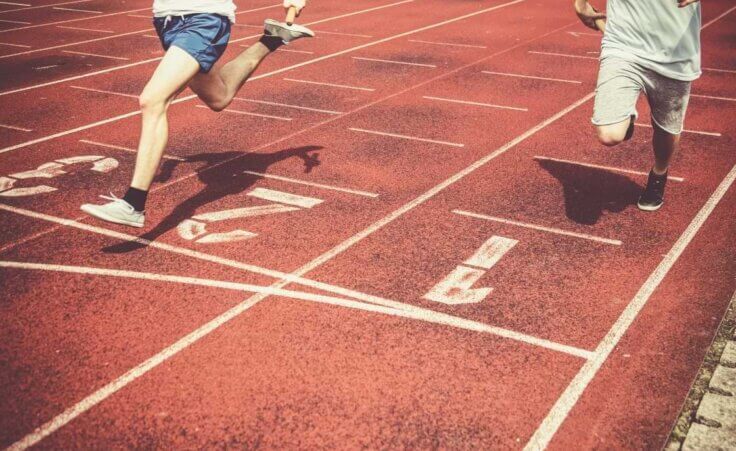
x=51, y=170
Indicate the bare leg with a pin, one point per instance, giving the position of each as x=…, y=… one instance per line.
x=613, y=134
x=665, y=145
x=170, y=78
x=218, y=87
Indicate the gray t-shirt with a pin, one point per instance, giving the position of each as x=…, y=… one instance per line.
x=656, y=34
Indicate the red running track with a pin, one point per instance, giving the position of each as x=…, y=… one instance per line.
x=409, y=165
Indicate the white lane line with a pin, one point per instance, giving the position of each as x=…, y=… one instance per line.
x=248, y=113
x=412, y=138
x=701, y=96
x=716, y=19
x=96, y=55
x=316, y=185
x=143, y=16
x=605, y=168
x=48, y=24
x=77, y=10
x=102, y=91
x=15, y=127
x=404, y=63
x=70, y=44
x=44, y=6
x=505, y=74
x=126, y=149
x=697, y=132
x=15, y=4
x=279, y=71
x=303, y=52
x=467, y=102
x=528, y=225
x=23, y=46
x=85, y=29
x=77, y=77
x=333, y=85
x=725, y=71
x=318, y=32
x=287, y=105
x=449, y=44
x=563, y=55
x=17, y=22
x=149, y=36
x=559, y=412
x=284, y=198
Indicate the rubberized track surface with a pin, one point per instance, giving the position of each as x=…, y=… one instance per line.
x=450, y=260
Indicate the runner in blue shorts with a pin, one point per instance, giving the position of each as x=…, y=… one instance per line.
x=194, y=34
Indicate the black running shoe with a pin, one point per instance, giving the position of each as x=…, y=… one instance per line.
x=653, y=196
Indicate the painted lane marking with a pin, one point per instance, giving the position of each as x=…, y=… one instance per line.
x=96, y=55
x=50, y=170
x=605, y=168
x=17, y=22
x=405, y=63
x=696, y=132
x=23, y=46
x=528, y=225
x=530, y=77
x=303, y=52
x=569, y=398
x=85, y=29
x=141, y=16
x=15, y=4
x=127, y=149
x=716, y=19
x=102, y=91
x=334, y=85
x=46, y=67
x=287, y=105
x=457, y=287
x=245, y=212
x=15, y=127
x=319, y=32
x=580, y=33
x=44, y=6
x=77, y=77
x=284, y=198
x=449, y=44
x=725, y=71
x=70, y=44
x=467, y=102
x=77, y=10
x=411, y=138
x=316, y=185
x=563, y=55
x=728, y=99
x=48, y=24
x=248, y=113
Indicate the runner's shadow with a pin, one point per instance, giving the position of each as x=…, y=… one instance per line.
x=227, y=179
x=589, y=192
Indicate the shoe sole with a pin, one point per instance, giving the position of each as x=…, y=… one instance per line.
x=306, y=32
x=90, y=210
x=649, y=207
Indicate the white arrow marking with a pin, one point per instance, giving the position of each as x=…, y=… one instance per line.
x=6, y=183
x=80, y=159
x=491, y=252
x=456, y=288
x=105, y=166
x=285, y=198
x=46, y=170
x=246, y=212
x=20, y=192
x=190, y=230
x=235, y=235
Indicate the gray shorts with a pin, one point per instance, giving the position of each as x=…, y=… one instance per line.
x=619, y=83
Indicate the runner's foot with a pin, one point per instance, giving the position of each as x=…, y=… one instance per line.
x=116, y=211
x=287, y=33
x=652, y=197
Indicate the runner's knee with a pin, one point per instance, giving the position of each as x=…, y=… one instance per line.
x=151, y=103
x=612, y=135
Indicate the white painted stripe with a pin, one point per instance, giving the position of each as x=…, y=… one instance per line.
x=14, y=127
x=284, y=198
x=247, y=113
x=563, y=55
x=245, y=212
x=708, y=24
x=697, y=132
x=304, y=52
x=412, y=138
x=287, y=105
x=15, y=4
x=26, y=8
x=561, y=409
x=727, y=99
x=126, y=149
x=316, y=185
x=449, y=44
x=19, y=22
x=150, y=36
x=23, y=46
x=48, y=24
x=84, y=29
x=528, y=225
x=726, y=71
x=77, y=10
x=334, y=85
x=467, y=102
x=102, y=91
x=404, y=63
x=531, y=77
x=70, y=44
x=319, y=32
x=96, y=55
x=491, y=252
x=606, y=168
x=144, y=16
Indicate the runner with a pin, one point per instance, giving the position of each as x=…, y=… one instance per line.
x=194, y=34
x=650, y=46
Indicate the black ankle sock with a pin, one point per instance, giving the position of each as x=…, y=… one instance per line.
x=272, y=42
x=137, y=198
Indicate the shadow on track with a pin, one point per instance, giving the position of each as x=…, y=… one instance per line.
x=226, y=180
x=589, y=191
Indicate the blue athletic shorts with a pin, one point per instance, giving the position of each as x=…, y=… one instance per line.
x=204, y=36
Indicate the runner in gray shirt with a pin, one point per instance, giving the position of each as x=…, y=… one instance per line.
x=650, y=46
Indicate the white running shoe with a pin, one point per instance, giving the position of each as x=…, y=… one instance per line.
x=117, y=211
x=286, y=32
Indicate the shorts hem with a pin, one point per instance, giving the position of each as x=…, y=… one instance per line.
x=601, y=123
x=666, y=128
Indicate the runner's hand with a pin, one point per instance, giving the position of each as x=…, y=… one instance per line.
x=588, y=15
x=684, y=3
x=298, y=4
